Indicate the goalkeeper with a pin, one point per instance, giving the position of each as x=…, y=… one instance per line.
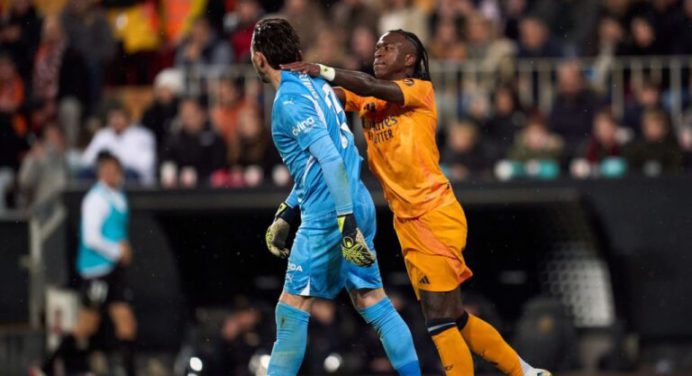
x=329, y=252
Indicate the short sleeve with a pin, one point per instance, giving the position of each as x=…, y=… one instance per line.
x=353, y=101
x=417, y=93
x=303, y=120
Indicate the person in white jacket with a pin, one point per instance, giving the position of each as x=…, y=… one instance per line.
x=132, y=144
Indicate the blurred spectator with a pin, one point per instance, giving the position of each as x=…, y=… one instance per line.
x=685, y=137
x=574, y=106
x=621, y=10
x=514, y=11
x=327, y=49
x=465, y=155
x=196, y=150
x=446, y=43
x=535, y=40
x=647, y=97
x=362, y=49
x=89, y=33
x=253, y=146
x=451, y=10
x=658, y=152
x=610, y=38
x=572, y=22
x=484, y=45
x=12, y=92
x=643, y=41
x=44, y=170
x=247, y=13
x=132, y=144
x=353, y=15
x=604, y=141
x=399, y=14
x=60, y=88
x=178, y=16
x=240, y=338
x=536, y=142
x=683, y=25
x=159, y=116
x=227, y=105
x=507, y=119
x=202, y=49
x=20, y=33
x=662, y=15
x=306, y=18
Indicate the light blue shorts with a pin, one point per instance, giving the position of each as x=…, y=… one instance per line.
x=316, y=267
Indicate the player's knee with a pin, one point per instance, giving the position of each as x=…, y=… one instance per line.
x=364, y=298
x=303, y=303
x=87, y=324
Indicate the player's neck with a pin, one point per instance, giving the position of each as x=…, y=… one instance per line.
x=274, y=76
x=399, y=75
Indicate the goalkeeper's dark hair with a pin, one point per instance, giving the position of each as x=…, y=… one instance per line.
x=277, y=40
x=421, y=69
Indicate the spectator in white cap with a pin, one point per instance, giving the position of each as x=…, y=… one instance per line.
x=168, y=86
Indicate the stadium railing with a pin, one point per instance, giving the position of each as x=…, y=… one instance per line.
x=612, y=77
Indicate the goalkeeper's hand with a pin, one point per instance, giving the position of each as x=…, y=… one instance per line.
x=278, y=231
x=353, y=245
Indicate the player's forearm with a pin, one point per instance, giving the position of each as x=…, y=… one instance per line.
x=366, y=85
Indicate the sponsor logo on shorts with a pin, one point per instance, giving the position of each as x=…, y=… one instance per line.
x=294, y=268
x=424, y=280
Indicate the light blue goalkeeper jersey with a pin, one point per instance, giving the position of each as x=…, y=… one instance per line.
x=306, y=110
x=104, y=223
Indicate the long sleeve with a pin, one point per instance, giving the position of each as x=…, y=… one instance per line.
x=292, y=199
x=334, y=173
x=95, y=210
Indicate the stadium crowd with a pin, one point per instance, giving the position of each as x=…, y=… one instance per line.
x=64, y=66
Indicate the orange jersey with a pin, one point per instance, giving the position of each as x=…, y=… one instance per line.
x=402, y=151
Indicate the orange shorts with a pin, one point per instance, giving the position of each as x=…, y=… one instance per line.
x=432, y=246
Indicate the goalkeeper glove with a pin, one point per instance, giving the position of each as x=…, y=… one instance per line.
x=353, y=246
x=278, y=231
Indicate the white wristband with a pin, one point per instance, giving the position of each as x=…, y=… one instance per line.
x=328, y=73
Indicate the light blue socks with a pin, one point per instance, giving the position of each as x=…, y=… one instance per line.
x=395, y=336
x=291, y=339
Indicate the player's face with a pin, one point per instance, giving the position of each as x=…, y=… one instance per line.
x=111, y=174
x=389, y=55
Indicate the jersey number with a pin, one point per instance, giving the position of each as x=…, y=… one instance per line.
x=333, y=103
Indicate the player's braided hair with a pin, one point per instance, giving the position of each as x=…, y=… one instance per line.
x=420, y=69
x=277, y=40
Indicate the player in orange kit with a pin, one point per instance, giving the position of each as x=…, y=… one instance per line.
x=399, y=120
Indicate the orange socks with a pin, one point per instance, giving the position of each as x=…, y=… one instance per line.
x=455, y=354
x=486, y=342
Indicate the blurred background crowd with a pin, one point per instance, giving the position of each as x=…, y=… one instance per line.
x=526, y=88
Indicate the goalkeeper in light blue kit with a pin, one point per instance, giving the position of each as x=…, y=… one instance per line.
x=333, y=248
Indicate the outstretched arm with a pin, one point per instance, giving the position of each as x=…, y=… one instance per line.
x=360, y=83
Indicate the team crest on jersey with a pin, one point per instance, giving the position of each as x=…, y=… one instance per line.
x=408, y=81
